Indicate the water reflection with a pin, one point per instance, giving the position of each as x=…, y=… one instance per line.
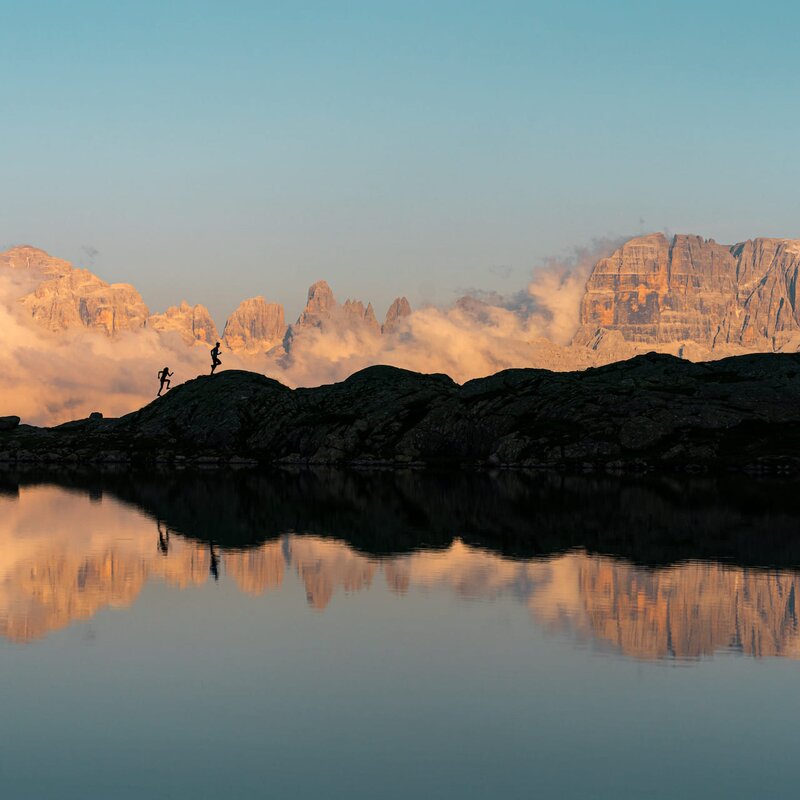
x=64, y=556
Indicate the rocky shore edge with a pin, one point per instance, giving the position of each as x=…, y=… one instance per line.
x=652, y=412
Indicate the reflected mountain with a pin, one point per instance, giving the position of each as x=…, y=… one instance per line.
x=653, y=570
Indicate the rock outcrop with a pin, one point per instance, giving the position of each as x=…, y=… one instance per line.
x=694, y=290
x=255, y=326
x=654, y=411
x=193, y=323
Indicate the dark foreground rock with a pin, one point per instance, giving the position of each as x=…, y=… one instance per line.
x=653, y=411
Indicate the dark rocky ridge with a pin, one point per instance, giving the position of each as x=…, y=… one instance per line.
x=651, y=411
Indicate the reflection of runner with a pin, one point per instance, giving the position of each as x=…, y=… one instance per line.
x=215, y=359
x=164, y=375
x=214, y=566
x=163, y=538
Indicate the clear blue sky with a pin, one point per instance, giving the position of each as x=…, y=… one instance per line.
x=215, y=151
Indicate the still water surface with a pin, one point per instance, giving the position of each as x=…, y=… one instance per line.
x=358, y=636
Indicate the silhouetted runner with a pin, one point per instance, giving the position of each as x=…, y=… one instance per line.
x=164, y=375
x=215, y=360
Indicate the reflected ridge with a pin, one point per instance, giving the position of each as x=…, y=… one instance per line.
x=67, y=554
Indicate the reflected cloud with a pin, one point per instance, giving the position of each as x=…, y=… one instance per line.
x=64, y=558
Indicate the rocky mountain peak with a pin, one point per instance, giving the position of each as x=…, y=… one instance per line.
x=397, y=310
x=355, y=311
x=80, y=299
x=320, y=298
x=193, y=323
x=255, y=326
x=33, y=260
x=67, y=297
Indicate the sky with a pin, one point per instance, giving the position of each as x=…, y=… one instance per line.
x=212, y=151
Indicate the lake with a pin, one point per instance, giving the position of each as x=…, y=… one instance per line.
x=391, y=635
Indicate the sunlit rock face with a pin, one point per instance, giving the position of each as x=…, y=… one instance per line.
x=319, y=305
x=322, y=307
x=80, y=299
x=255, y=326
x=691, y=289
x=768, y=292
x=652, y=290
x=33, y=261
x=347, y=325
x=192, y=323
x=398, y=310
x=67, y=298
x=354, y=309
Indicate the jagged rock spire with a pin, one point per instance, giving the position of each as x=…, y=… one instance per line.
x=397, y=310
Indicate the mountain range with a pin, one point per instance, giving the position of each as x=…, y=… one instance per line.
x=61, y=297
x=687, y=295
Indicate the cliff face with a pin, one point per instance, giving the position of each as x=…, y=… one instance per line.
x=193, y=323
x=767, y=271
x=255, y=326
x=694, y=290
